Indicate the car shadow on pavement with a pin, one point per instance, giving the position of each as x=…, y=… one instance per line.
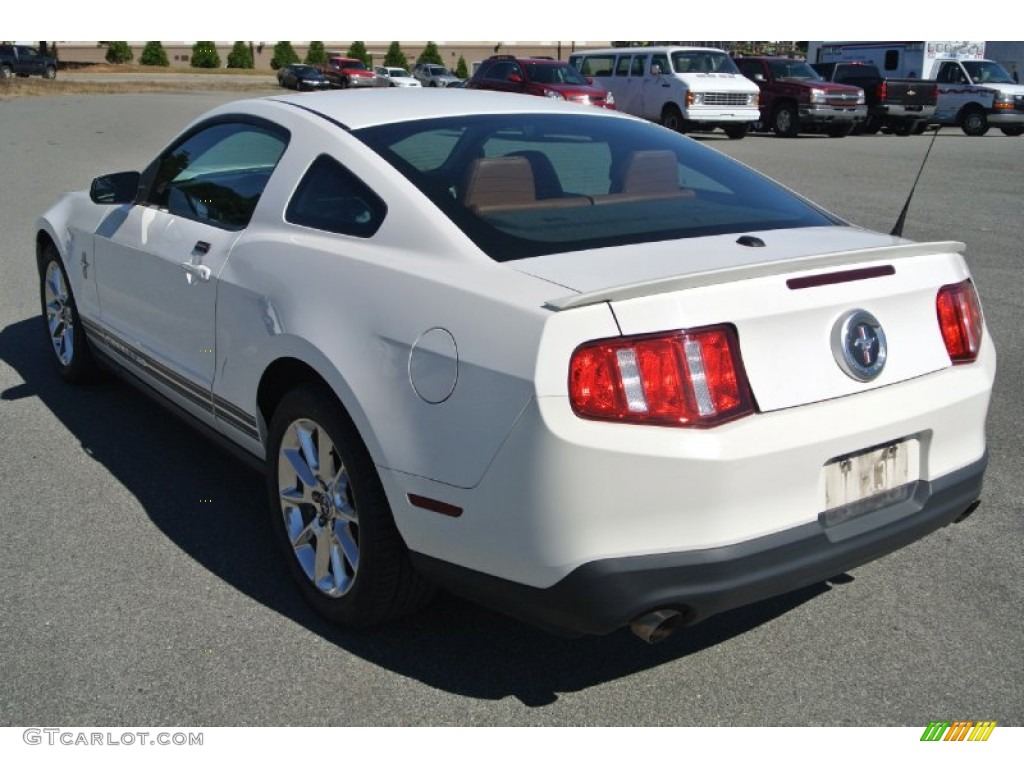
x=212, y=506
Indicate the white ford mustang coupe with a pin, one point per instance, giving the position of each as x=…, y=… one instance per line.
x=562, y=361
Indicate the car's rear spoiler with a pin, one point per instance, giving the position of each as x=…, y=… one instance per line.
x=751, y=271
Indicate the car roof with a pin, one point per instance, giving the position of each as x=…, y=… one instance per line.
x=542, y=60
x=378, y=106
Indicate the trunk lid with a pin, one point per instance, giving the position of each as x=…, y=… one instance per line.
x=788, y=311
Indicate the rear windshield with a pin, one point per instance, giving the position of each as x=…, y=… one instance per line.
x=528, y=185
x=554, y=74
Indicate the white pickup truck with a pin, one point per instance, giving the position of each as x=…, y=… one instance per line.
x=978, y=94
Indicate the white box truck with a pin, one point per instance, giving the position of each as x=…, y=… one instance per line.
x=975, y=93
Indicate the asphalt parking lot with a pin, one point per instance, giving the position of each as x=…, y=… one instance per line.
x=139, y=584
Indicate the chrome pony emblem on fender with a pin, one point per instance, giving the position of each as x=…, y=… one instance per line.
x=858, y=345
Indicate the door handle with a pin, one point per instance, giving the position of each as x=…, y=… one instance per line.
x=195, y=272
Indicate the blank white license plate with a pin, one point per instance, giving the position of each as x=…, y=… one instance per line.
x=872, y=473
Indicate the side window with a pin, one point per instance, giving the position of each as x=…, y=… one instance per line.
x=333, y=199
x=499, y=71
x=217, y=175
x=892, y=60
x=622, y=67
x=948, y=72
x=661, y=60
x=598, y=66
x=638, y=66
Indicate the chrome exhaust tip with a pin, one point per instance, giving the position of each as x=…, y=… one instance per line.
x=655, y=626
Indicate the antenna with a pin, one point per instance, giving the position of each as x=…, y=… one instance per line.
x=898, y=229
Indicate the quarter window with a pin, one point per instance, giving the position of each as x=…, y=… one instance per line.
x=333, y=199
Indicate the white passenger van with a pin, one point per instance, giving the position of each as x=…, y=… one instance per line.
x=685, y=89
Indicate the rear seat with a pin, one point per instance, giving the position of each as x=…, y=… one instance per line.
x=507, y=184
x=648, y=174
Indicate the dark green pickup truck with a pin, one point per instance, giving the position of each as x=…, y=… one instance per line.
x=23, y=60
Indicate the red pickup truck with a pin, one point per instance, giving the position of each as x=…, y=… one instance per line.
x=343, y=72
x=795, y=99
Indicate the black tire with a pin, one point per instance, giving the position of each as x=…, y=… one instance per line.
x=872, y=125
x=838, y=131
x=737, y=131
x=786, y=121
x=902, y=128
x=919, y=127
x=65, y=333
x=50, y=72
x=672, y=118
x=974, y=123
x=1012, y=130
x=350, y=562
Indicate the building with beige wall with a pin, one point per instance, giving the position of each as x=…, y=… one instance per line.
x=179, y=53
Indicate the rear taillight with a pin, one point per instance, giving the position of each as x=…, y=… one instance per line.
x=960, y=321
x=882, y=91
x=684, y=379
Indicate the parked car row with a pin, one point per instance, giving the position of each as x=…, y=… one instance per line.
x=704, y=89
x=972, y=92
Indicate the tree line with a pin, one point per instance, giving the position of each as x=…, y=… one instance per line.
x=243, y=55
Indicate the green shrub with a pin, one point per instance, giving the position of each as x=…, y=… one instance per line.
x=119, y=52
x=284, y=54
x=316, y=53
x=240, y=56
x=358, y=51
x=205, y=56
x=394, y=57
x=461, y=70
x=154, y=55
x=430, y=55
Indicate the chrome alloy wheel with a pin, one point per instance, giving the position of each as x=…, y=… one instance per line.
x=60, y=314
x=320, y=518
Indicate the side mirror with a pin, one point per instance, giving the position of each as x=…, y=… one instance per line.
x=655, y=69
x=515, y=77
x=758, y=78
x=115, y=188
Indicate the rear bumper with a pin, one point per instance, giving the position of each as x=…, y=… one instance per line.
x=908, y=112
x=601, y=596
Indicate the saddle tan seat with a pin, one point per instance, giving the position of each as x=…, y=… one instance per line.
x=506, y=184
